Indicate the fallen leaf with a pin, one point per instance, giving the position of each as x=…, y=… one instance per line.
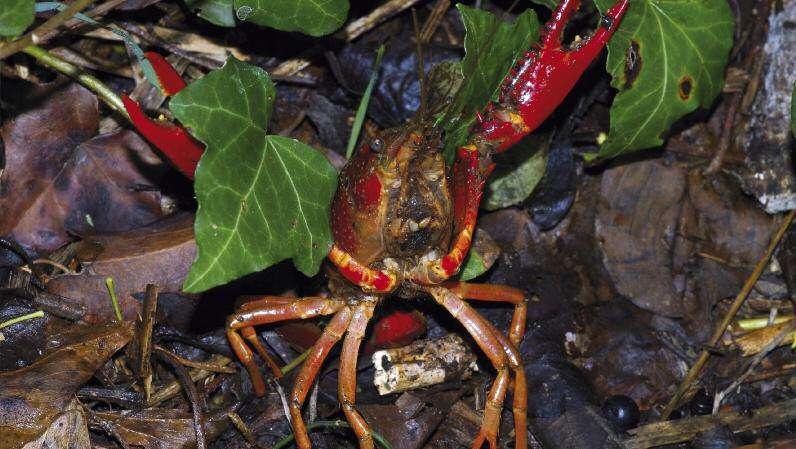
x=31, y=397
x=69, y=430
x=155, y=428
x=159, y=254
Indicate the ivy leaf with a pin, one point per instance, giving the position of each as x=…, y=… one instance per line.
x=473, y=266
x=15, y=16
x=512, y=183
x=491, y=47
x=217, y=12
x=667, y=58
x=262, y=198
x=313, y=17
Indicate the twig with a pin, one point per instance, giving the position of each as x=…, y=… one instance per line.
x=790, y=328
x=360, y=26
x=202, y=365
x=105, y=93
x=695, y=370
x=173, y=388
x=36, y=36
x=52, y=263
x=671, y=432
x=144, y=369
x=190, y=391
x=433, y=20
x=242, y=428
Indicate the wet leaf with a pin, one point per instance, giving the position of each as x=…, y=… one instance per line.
x=153, y=428
x=59, y=183
x=68, y=431
x=158, y=254
x=217, y=12
x=15, y=16
x=491, y=46
x=262, y=198
x=313, y=17
x=33, y=396
x=667, y=58
x=513, y=182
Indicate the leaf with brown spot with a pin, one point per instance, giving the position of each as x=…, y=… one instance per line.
x=656, y=45
x=31, y=397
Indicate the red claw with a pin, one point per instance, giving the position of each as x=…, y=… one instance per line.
x=174, y=141
x=170, y=81
x=182, y=150
x=544, y=79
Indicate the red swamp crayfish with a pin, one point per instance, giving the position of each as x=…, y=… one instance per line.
x=403, y=223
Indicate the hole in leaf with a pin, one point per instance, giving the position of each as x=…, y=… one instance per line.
x=632, y=63
x=685, y=88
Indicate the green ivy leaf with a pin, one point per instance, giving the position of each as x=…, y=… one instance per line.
x=511, y=184
x=262, y=198
x=473, y=266
x=15, y=16
x=491, y=47
x=667, y=58
x=313, y=17
x=217, y=12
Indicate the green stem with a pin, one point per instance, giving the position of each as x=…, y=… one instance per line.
x=114, y=300
x=295, y=362
x=333, y=424
x=363, y=105
x=19, y=319
x=105, y=93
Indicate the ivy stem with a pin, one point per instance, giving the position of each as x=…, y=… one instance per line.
x=19, y=319
x=359, y=118
x=295, y=362
x=105, y=93
x=35, y=36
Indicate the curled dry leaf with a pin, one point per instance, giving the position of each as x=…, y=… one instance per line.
x=159, y=254
x=68, y=431
x=33, y=396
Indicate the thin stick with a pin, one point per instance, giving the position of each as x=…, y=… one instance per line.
x=105, y=93
x=242, y=428
x=190, y=391
x=36, y=36
x=695, y=370
x=752, y=365
x=202, y=365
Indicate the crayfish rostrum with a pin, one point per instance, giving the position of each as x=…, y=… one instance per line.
x=403, y=223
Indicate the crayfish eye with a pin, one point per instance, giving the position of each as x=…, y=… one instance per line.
x=377, y=145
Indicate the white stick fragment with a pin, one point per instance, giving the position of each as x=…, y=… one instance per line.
x=423, y=363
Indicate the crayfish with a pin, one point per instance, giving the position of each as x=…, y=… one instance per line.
x=403, y=224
